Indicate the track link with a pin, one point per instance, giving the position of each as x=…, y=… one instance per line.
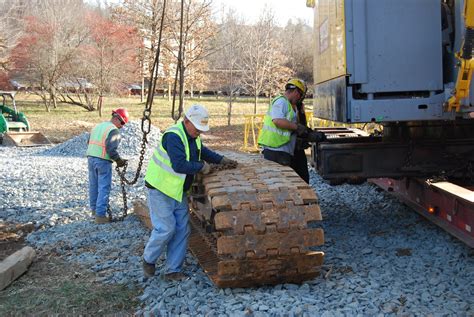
x=250, y=225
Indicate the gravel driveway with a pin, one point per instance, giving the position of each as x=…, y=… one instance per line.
x=381, y=257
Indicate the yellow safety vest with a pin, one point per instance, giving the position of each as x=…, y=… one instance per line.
x=160, y=173
x=271, y=135
x=96, y=145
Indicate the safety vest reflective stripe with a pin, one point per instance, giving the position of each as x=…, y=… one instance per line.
x=160, y=173
x=101, y=143
x=167, y=168
x=175, y=129
x=270, y=135
x=97, y=140
x=162, y=153
x=276, y=130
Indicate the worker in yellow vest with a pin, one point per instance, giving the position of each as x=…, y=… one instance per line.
x=281, y=126
x=101, y=152
x=169, y=176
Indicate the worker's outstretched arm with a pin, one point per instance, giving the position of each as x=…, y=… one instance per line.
x=210, y=156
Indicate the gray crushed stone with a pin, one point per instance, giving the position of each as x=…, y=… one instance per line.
x=130, y=144
x=364, y=273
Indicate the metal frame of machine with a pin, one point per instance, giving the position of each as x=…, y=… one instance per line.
x=446, y=204
x=406, y=65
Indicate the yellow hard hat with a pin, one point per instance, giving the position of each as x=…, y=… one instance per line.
x=296, y=83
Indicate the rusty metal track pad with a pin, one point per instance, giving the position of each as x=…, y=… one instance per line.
x=250, y=225
x=269, y=244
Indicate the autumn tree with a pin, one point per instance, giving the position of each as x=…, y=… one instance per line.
x=278, y=75
x=109, y=57
x=11, y=28
x=52, y=40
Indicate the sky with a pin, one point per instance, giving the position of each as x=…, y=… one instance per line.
x=250, y=10
x=282, y=9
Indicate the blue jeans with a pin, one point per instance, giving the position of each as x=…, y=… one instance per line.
x=100, y=182
x=170, y=220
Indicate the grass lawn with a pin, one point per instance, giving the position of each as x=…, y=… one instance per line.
x=67, y=121
x=53, y=287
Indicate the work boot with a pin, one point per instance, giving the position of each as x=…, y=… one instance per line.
x=176, y=276
x=148, y=269
x=101, y=220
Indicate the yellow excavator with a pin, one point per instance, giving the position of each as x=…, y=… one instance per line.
x=14, y=126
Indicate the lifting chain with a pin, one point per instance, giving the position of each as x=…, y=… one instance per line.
x=179, y=75
x=145, y=126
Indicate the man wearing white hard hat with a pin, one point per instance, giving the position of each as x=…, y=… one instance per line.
x=169, y=176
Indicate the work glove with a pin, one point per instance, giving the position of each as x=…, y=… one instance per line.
x=206, y=169
x=316, y=136
x=121, y=162
x=302, y=130
x=301, y=144
x=228, y=161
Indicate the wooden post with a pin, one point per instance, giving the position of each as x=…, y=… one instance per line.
x=15, y=265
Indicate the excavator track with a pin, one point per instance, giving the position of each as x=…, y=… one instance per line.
x=250, y=225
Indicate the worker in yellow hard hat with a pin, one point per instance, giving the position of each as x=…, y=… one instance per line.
x=281, y=126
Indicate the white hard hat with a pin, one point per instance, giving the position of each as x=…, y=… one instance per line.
x=198, y=115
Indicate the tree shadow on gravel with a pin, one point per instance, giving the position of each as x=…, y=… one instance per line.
x=52, y=286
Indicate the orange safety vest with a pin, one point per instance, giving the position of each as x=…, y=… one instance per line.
x=99, y=134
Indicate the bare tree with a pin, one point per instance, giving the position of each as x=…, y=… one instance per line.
x=298, y=41
x=198, y=30
x=145, y=16
x=229, y=45
x=196, y=76
x=262, y=57
x=278, y=74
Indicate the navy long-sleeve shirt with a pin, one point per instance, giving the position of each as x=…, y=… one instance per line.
x=175, y=148
x=111, y=144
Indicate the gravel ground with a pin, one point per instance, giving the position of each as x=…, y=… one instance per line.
x=381, y=257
